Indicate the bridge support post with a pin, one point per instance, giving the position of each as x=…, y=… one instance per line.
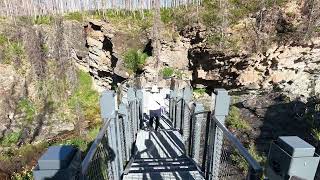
x=220, y=108
x=196, y=131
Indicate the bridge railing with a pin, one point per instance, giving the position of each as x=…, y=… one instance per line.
x=115, y=143
x=216, y=151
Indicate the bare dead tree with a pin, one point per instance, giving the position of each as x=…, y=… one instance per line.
x=35, y=8
x=312, y=10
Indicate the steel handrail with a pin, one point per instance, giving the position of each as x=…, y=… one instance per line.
x=238, y=145
x=85, y=163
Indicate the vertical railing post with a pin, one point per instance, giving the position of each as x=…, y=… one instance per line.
x=124, y=111
x=140, y=107
x=108, y=111
x=178, y=109
x=187, y=113
x=131, y=94
x=171, y=104
x=174, y=108
x=196, y=132
x=221, y=110
x=119, y=145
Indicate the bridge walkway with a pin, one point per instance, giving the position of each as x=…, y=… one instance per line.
x=161, y=155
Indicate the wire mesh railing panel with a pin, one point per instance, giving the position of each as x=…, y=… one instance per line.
x=230, y=158
x=99, y=167
x=232, y=163
x=123, y=140
x=187, y=113
x=201, y=139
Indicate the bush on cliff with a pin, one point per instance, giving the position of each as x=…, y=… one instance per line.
x=134, y=60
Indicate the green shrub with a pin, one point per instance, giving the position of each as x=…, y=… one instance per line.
x=210, y=15
x=134, y=60
x=93, y=133
x=13, y=51
x=260, y=158
x=28, y=108
x=167, y=72
x=24, y=175
x=44, y=48
x=3, y=39
x=43, y=20
x=167, y=15
x=235, y=121
x=11, y=138
x=77, y=16
x=199, y=91
x=316, y=133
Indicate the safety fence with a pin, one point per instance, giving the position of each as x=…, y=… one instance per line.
x=115, y=143
x=215, y=150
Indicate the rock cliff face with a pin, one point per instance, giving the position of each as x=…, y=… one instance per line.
x=292, y=69
x=102, y=60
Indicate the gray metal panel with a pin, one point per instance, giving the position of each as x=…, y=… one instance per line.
x=304, y=167
x=278, y=161
x=68, y=173
x=187, y=94
x=295, y=146
x=107, y=104
x=222, y=102
x=281, y=164
x=131, y=94
x=56, y=157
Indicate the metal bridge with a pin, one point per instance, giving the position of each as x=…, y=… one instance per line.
x=191, y=143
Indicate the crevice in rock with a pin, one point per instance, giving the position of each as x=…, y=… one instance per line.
x=148, y=48
x=114, y=61
x=107, y=44
x=95, y=27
